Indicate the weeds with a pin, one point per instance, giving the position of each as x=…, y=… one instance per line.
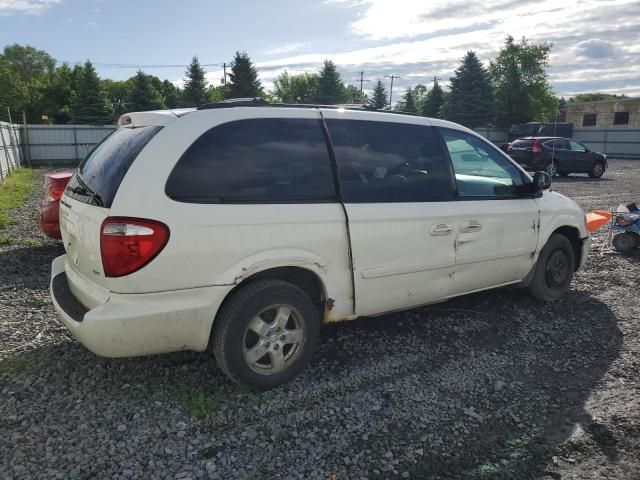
x=199, y=402
x=20, y=363
x=14, y=192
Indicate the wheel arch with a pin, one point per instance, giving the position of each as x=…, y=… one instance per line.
x=573, y=235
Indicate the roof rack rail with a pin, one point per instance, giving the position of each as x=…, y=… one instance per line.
x=236, y=102
x=261, y=102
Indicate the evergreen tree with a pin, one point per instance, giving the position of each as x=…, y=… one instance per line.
x=244, y=77
x=143, y=96
x=330, y=90
x=90, y=105
x=433, y=103
x=195, y=87
x=470, y=100
x=408, y=103
x=380, y=98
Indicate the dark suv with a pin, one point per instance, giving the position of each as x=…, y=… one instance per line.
x=556, y=155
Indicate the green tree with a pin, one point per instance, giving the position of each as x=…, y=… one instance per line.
x=143, y=95
x=353, y=95
x=31, y=72
x=90, y=105
x=380, y=98
x=117, y=92
x=295, y=88
x=470, y=99
x=170, y=94
x=330, y=90
x=194, y=93
x=58, y=95
x=244, y=77
x=594, y=97
x=408, y=102
x=433, y=102
x=519, y=77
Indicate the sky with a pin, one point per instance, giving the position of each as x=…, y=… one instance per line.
x=596, y=43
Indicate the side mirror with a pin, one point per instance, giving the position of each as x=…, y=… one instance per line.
x=541, y=181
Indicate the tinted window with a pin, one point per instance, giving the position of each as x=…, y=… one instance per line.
x=557, y=145
x=589, y=120
x=389, y=162
x=266, y=160
x=481, y=171
x=522, y=144
x=101, y=172
x=621, y=118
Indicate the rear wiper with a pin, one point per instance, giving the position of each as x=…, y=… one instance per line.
x=85, y=190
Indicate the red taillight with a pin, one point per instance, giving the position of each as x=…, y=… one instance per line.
x=128, y=244
x=536, y=147
x=54, y=194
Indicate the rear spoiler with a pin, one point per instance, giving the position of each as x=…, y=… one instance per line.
x=155, y=118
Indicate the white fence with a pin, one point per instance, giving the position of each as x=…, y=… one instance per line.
x=10, y=152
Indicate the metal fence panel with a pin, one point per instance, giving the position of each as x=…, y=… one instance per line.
x=63, y=144
x=9, y=149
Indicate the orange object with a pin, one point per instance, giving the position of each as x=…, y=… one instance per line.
x=596, y=219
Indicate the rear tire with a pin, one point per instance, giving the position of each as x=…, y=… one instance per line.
x=265, y=334
x=597, y=170
x=554, y=269
x=625, y=242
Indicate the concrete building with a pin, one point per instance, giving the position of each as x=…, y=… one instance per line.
x=623, y=113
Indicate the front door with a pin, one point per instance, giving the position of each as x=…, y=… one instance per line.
x=496, y=228
x=397, y=189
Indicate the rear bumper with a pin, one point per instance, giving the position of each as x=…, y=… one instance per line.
x=137, y=324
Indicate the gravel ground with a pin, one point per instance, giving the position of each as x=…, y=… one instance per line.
x=492, y=385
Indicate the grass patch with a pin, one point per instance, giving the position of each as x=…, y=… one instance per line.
x=200, y=402
x=258, y=399
x=6, y=240
x=14, y=192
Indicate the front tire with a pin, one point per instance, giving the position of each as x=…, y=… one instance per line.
x=265, y=334
x=554, y=269
x=597, y=170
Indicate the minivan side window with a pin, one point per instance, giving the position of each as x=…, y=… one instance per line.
x=264, y=160
x=380, y=162
x=480, y=170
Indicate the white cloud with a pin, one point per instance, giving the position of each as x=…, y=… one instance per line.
x=8, y=7
x=291, y=47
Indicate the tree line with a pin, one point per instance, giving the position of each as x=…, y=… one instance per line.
x=512, y=88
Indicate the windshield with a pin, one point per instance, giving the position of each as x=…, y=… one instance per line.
x=98, y=177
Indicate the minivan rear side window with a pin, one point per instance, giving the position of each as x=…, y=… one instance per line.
x=381, y=162
x=264, y=160
x=100, y=174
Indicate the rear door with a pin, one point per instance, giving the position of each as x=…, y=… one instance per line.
x=396, y=188
x=496, y=231
x=580, y=159
x=559, y=151
x=90, y=193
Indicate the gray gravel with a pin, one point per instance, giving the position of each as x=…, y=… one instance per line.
x=492, y=385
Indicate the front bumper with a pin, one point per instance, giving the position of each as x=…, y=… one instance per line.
x=128, y=325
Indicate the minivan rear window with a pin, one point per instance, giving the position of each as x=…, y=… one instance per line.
x=100, y=174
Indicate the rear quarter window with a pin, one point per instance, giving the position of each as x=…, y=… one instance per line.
x=100, y=174
x=266, y=160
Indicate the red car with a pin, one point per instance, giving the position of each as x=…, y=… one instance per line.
x=54, y=185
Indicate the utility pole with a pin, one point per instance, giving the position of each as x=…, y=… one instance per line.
x=224, y=75
x=361, y=80
x=392, y=77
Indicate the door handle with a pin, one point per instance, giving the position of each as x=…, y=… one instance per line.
x=470, y=226
x=439, y=229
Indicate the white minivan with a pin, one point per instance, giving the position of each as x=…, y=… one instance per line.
x=241, y=227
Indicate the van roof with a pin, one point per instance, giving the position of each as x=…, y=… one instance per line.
x=164, y=117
